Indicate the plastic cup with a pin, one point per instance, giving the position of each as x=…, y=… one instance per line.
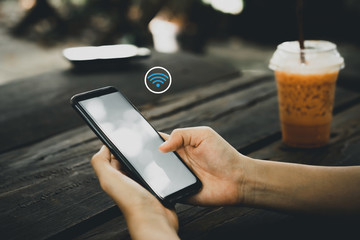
x=306, y=91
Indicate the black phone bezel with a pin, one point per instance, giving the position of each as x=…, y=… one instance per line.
x=169, y=200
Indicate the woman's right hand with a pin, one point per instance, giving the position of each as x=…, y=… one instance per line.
x=229, y=177
x=219, y=166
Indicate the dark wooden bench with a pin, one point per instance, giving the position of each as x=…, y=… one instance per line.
x=49, y=190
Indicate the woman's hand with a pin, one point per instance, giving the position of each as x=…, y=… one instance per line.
x=146, y=217
x=220, y=167
x=231, y=178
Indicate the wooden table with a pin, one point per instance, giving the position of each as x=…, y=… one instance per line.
x=48, y=188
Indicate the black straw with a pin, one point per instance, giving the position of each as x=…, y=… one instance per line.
x=299, y=13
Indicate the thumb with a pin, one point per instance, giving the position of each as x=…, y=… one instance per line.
x=179, y=138
x=100, y=160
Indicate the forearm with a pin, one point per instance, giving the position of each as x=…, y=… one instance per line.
x=303, y=188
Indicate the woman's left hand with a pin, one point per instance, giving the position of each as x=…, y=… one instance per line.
x=146, y=217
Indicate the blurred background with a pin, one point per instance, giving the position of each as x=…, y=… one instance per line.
x=33, y=32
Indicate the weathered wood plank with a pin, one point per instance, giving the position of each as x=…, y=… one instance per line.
x=79, y=136
x=46, y=165
x=61, y=180
x=55, y=162
x=266, y=224
x=239, y=116
x=31, y=165
x=219, y=107
x=63, y=145
x=36, y=108
x=171, y=104
x=62, y=161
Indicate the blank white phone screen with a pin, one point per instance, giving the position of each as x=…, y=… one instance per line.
x=138, y=142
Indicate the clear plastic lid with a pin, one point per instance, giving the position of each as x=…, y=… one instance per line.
x=320, y=56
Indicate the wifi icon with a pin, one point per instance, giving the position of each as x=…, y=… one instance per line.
x=157, y=80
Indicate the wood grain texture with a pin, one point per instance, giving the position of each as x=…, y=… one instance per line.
x=52, y=182
x=254, y=131
x=55, y=162
x=36, y=108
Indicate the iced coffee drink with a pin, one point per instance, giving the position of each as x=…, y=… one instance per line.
x=306, y=91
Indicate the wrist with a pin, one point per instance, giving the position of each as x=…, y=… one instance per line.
x=274, y=185
x=260, y=184
x=149, y=224
x=246, y=180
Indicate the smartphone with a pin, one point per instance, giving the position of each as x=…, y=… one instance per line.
x=134, y=142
